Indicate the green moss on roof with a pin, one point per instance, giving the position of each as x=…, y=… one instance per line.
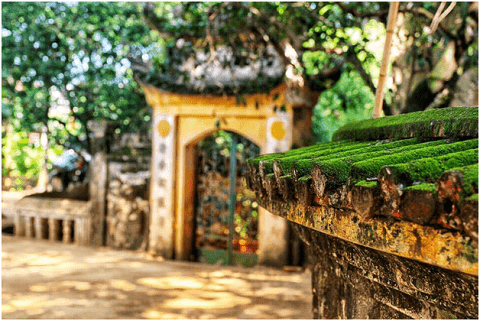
x=453, y=122
x=286, y=164
x=339, y=168
x=300, y=151
x=371, y=167
x=417, y=170
x=305, y=178
x=369, y=184
x=426, y=187
x=433, y=167
x=305, y=153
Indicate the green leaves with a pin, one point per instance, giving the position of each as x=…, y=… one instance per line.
x=75, y=52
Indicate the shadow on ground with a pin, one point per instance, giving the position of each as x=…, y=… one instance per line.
x=44, y=280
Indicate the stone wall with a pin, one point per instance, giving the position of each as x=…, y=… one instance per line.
x=128, y=203
x=363, y=283
x=119, y=187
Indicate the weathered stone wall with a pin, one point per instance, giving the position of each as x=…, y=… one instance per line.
x=352, y=281
x=128, y=203
x=118, y=184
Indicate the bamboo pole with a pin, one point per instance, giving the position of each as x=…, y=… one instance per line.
x=392, y=18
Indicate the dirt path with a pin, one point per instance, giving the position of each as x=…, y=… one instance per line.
x=57, y=281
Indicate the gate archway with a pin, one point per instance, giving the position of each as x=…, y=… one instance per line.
x=180, y=122
x=226, y=217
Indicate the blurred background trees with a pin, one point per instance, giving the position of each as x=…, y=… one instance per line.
x=333, y=47
x=64, y=64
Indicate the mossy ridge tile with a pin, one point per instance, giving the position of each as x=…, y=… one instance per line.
x=417, y=170
x=272, y=156
x=357, y=148
x=457, y=121
x=368, y=184
x=286, y=163
x=460, y=159
x=306, y=152
x=433, y=167
x=318, y=146
x=425, y=187
x=305, y=178
x=427, y=129
x=339, y=168
x=371, y=167
x=324, y=148
x=378, y=147
x=420, y=116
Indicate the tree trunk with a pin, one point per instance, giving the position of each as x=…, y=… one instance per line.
x=303, y=101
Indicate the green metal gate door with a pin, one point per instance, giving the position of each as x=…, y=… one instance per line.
x=226, y=230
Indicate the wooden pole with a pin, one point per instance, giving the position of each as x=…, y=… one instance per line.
x=233, y=198
x=392, y=18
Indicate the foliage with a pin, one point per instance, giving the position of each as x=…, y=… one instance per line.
x=54, y=51
x=349, y=100
x=21, y=161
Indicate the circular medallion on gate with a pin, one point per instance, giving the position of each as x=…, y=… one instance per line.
x=163, y=128
x=278, y=130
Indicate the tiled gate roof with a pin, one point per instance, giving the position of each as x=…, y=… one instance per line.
x=419, y=167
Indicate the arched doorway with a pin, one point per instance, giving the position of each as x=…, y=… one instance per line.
x=222, y=233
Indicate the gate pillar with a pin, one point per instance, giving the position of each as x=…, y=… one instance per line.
x=162, y=216
x=273, y=251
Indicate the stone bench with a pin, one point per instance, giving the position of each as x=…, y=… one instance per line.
x=42, y=218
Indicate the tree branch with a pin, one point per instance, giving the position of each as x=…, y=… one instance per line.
x=383, y=14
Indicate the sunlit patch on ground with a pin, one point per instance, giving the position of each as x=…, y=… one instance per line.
x=46, y=280
x=173, y=282
x=35, y=304
x=123, y=285
x=206, y=300
x=153, y=314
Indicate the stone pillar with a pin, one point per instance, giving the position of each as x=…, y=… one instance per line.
x=19, y=225
x=273, y=230
x=100, y=141
x=162, y=215
x=28, y=227
x=39, y=228
x=67, y=231
x=52, y=229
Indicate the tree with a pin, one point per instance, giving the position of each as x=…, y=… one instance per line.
x=76, y=52
x=317, y=42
